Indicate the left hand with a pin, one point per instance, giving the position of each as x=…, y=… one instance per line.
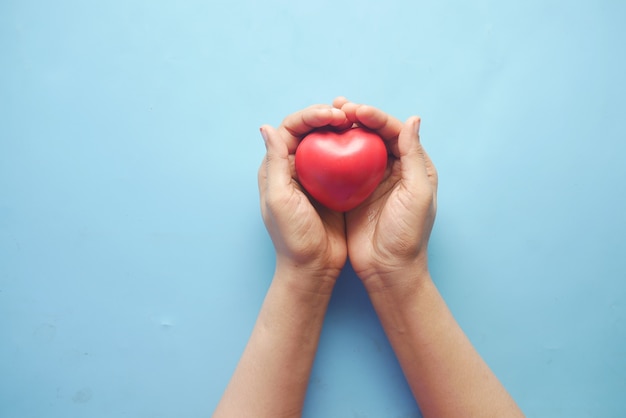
x=309, y=239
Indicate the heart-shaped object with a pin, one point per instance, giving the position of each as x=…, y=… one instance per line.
x=340, y=169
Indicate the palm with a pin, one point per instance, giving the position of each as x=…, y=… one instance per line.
x=383, y=230
x=305, y=236
x=390, y=230
x=312, y=234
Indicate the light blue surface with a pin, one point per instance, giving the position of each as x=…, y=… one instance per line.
x=133, y=259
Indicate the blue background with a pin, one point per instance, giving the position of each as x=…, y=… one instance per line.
x=133, y=258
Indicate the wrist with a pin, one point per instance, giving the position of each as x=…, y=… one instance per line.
x=305, y=279
x=396, y=280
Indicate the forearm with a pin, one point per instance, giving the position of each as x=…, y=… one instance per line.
x=446, y=374
x=272, y=375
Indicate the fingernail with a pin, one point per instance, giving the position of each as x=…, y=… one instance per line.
x=418, y=122
x=264, y=135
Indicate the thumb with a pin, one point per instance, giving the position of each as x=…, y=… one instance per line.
x=412, y=157
x=277, y=167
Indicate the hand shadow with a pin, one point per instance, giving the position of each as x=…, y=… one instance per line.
x=356, y=373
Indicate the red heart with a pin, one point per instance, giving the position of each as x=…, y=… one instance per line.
x=340, y=169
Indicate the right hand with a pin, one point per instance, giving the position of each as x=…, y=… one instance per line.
x=388, y=233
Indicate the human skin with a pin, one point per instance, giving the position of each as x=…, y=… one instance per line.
x=386, y=238
x=272, y=375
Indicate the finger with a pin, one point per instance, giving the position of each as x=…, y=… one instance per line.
x=262, y=182
x=349, y=109
x=413, y=158
x=431, y=171
x=372, y=118
x=385, y=125
x=298, y=124
x=433, y=177
x=302, y=122
x=262, y=174
x=277, y=167
x=339, y=102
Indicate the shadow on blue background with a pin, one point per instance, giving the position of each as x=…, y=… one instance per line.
x=365, y=353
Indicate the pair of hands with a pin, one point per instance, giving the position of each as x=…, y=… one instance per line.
x=383, y=237
x=386, y=239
